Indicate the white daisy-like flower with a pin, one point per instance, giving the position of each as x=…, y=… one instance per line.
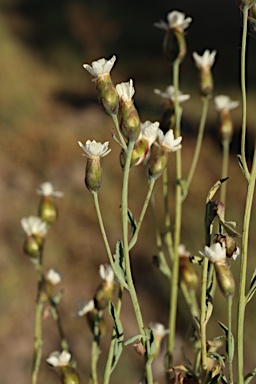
x=93, y=149
x=182, y=252
x=46, y=189
x=176, y=20
x=223, y=102
x=106, y=273
x=168, y=140
x=158, y=329
x=100, y=67
x=86, y=307
x=33, y=225
x=169, y=94
x=149, y=131
x=206, y=60
x=215, y=253
x=59, y=359
x=53, y=277
x=125, y=90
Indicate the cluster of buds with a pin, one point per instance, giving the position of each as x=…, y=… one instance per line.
x=216, y=253
x=186, y=269
x=224, y=105
x=174, y=44
x=93, y=310
x=63, y=366
x=204, y=63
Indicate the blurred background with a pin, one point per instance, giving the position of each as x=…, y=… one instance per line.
x=47, y=104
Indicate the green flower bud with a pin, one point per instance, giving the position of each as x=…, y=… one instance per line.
x=93, y=174
x=47, y=210
x=32, y=246
x=158, y=162
x=225, y=279
x=107, y=94
x=225, y=125
x=70, y=376
x=130, y=121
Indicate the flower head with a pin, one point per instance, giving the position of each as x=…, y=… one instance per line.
x=106, y=273
x=223, y=102
x=59, y=359
x=125, y=90
x=94, y=149
x=216, y=253
x=53, y=277
x=169, y=94
x=182, y=252
x=168, y=140
x=206, y=60
x=149, y=131
x=46, y=189
x=33, y=225
x=100, y=67
x=86, y=308
x=158, y=329
x=176, y=20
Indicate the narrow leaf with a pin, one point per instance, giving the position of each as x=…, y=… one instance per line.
x=214, y=189
x=230, y=231
x=132, y=221
x=240, y=163
x=151, y=345
x=119, y=264
x=133, y=339
x=119, y=335
x=232, y=343
x=248, y=378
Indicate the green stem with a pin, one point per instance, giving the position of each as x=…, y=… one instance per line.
x=95, y=351
x=143, y=211
x=128, y=271
x=243, y=270
x=56, y=316
x=230, y=341
x=203, y=310
x=178, y=211
x=224, y=170
x=198, y=143
x=108, y=369
x=167, y=218
x=243, y=90
x=38, y=341
x=122, y=141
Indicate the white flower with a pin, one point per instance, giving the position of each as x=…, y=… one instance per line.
x=168, y=140
x=223, y=102
x=106, y=273
x=215, y=253
x=125, y=90
x=46, y=189
x=206, y=60
x=236, y=253
x=158, y=329
x=149, y=131
x=57, y=359
x=176, y=20
x=182, y=251
x=86, y=307
x=169, y=94
x=94, y=149
x=53, y=277
x=100, y=67
x=33, y=225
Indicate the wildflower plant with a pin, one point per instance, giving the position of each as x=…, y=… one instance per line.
x=151, y=145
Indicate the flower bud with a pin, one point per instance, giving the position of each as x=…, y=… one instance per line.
x=92, y=317
x=69, y=376
x=206, y=83
x=188, y=273
x=174, y=45
x=93, y=174
x=225, y=125
x=47, y=209
x=225, y=279
x=107, y=94
x=103, y=294
x=158, y=162
x=130, y=121
x=33, y=246
x=139, y=348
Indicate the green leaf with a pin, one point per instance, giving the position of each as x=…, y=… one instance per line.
x=132, y=221
x=248, y=378
x=232, y=344
x=151, y=345
x=119, y=335
x=119, y=267
x=218, y=357
x=134, y=338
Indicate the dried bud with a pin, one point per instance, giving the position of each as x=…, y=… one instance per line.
x=139, y=348
x=188, y=273
x=232, y=251
x=225, y=279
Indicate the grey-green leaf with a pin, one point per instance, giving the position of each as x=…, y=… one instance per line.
x=119, y=335
x=119, y=264
x=132, y=221
x=232, y=343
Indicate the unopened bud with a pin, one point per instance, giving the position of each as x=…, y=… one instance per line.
x=108, y=96
x=32, y=246
x=206, y=82
x=158, y=162
x=188, y=273
x=47, y=209
x=225, y=279
x=93, y=317
x=225, y=125
x=130, y=121
x=103, y=294
x=93, y=174
x=69, y=375
x=174, y=46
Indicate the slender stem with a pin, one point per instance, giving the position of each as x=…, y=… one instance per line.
x=38, y=341
x=143, y=211
x=243, y=90
x=243, y=270
x=230, y=351
x=95, y=351
x=167, y=218
x=200, y=135
x=108, y=369
x=224, y=170
x=128, y=271
x=178, y=205
x=203, y=319
x=122, y=141
x=56, y=316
